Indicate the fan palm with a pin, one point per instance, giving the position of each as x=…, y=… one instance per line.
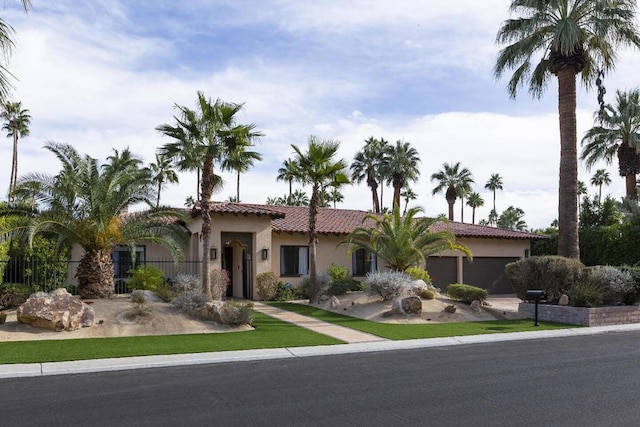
x=402, y=241
x=402, y=167
x=86, y=204
x=600, y=178
x=366, y=166
x=6, y=46
x=16, y=123
x=454, y=180
x=569, y=37
x=318, y=168
x=212, y=133
x=288, y=172
x=161, y=172
x=474, y=201
x=617, y=134
x=494, y=183
x=240, y=160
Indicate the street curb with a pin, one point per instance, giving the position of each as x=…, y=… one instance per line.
x=142, y=362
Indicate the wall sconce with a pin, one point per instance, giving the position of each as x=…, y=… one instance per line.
x=213, y=253
x=265, y=253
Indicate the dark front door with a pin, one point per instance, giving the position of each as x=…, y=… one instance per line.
x=227, y=264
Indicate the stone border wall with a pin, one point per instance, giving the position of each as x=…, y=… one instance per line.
x=599, y=316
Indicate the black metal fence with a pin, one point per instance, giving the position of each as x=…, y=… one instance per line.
x=46, y=275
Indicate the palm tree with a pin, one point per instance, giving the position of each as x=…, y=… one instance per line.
x=402, y=167
x=162, y=172
x=511, y=219
x=617, y=134
x=474, y=201
x=570, y=37
x=240, y=160
x=402, y=241
x=582, y=191
x=212, y=133
x=288, y=172
x=6, y=47
x=494, y=183
x=16, y=123
x=383, y=177
x=453, y=180
x=600, y=178
x=408, y=195
x=366, y=166
x=317, y=168
x=85, y=204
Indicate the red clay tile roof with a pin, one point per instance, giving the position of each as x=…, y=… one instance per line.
x=295, y=219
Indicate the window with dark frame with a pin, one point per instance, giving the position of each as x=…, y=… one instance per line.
x=362, y=262
x=294, y=261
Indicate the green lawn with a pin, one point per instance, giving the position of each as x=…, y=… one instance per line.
x=268, y=333
x=395, y=331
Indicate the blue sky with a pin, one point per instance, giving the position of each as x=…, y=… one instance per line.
x=103, y=74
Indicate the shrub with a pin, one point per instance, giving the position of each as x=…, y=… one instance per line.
x=286, y=292
x=427, y=294
x=166, y=292
x=587, y=294
x=466, y=293
x=267, y=285
x=236, y=313
x=634, y=271
x=554, y=274
x=417, y=273
x=13, y=295
x=323, y=280
x=189, y=302
x=450, y=309
x=139, y=304
x=147, y=278
x=218, y=280
x=342, y=286
x=388, y=284
x=620, y=285
x=338, y=272
x=186, y=282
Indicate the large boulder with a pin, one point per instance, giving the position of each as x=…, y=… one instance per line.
x=407, y=305
x=57, y=311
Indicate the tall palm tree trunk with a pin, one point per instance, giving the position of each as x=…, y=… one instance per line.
x=158, y=196
x=205, y=203
x=238, y=188
x=631, y=186
x=568, y=244
x=313, y=239
x=14, y=165
x=95, y=275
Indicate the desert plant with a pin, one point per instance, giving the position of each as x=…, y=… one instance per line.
x=13, y=295
x=139, y=306
x=634, y=271
x=341, y=286
x=466, y=293
x=450, y=309
x=322, y=284
x=388, y=284
x=588, y=293
x=186, y=282
x=166, y=292
x=417, y=273
x=554, y=274
x=620, y=285
x=190, y=302
x=286, y=292
x=338, y=272
x=427, y=294
x=267, y=285
x=146, y=277
x=234, y=313
x=219, y=280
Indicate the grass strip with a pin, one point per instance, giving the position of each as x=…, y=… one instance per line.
x=268, y=333
x=395, y=331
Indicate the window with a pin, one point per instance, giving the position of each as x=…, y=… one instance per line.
x=122, y=262
x=363, y=262
x=294, y=260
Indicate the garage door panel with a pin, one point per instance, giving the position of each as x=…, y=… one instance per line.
x=442, y=271
x=488, y=273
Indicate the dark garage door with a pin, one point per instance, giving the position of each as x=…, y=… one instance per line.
x=488, y=273
x=442, y=271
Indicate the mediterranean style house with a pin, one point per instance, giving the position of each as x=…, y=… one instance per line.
x=249, y=239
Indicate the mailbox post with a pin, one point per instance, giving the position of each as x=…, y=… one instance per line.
x=536, y=296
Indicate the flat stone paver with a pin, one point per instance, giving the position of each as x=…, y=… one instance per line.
x=335, y=331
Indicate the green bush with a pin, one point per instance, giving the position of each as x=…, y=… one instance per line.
x=13, y=295
x=166, y=292
x=267, y=285
x=322, y=281
x=146, y=278
x=338, y=273
x=234, y=313
x=466, y=293
x=588, y=293
x=554, y=274
x=417, y=273
x=286, y=292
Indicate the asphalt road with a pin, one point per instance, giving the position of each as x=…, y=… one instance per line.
x=591, y=380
